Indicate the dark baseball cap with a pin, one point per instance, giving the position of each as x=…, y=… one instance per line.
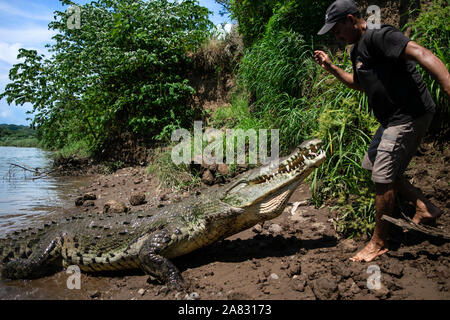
x=337, y=11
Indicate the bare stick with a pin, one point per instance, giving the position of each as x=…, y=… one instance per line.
x=410, y=225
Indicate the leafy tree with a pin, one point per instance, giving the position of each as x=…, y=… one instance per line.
x=252, y=17
x=124, y=70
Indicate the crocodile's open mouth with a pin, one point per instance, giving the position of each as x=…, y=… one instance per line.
x=305, y=155
x=264, y=183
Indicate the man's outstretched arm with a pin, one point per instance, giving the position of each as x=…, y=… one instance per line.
x=432, y=64
x=346, y=78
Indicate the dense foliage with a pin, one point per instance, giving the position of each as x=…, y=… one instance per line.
x=123, y=70
x=432, y=30
x=253, y=16
x=17, y=136
x=290, y=92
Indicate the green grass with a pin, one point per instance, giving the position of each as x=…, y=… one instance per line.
x=170, y=175
x=293, y=94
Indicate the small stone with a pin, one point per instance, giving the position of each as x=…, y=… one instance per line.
x=113, y=206
x=257, y=228
x=194, y=296
x=88, y=203
x=79, y=201
x=95, y=294
x=274, y=276
x=89, y=196
x=294, y=269
x=208, y=177
x=275, y=228
x=141, y=292
x=222, y=168
x=136, y=199
x=298, y=283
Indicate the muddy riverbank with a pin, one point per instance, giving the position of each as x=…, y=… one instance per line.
x=297, y=256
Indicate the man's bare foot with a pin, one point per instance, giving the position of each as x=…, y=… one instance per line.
x=370, y=252
x=426, y=213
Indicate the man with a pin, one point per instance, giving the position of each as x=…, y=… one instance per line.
x=384, y=68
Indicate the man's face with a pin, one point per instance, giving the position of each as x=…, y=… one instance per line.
x=346, y=31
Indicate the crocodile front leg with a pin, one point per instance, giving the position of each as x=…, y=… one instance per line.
x=158, y=266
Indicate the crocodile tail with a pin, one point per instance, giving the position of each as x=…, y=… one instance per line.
x=23, y=254
x=19, y=244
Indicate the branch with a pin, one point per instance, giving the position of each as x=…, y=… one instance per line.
x=407, y=223
x=35, y=171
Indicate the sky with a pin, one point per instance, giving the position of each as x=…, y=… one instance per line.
x=23, y=24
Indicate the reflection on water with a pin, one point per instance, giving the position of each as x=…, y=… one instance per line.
x=22, y=196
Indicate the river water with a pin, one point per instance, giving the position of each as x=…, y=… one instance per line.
x=24, y=196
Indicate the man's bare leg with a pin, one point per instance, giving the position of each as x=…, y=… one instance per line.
x=384, y=205
x=426, y=211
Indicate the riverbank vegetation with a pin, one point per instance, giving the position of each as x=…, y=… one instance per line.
x=12, y=135
x=131, y=72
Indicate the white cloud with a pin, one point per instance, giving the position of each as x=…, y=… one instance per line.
x=36, y=13
x=32, y=35
x=8, y=52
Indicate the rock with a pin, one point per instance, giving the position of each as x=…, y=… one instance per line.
x=89, y=196
x=138, y=198
x=194, y=296
x=274, y=276
x=257, y=228
x=207, y=177
x=298, y=283
x=95, y=294
x=89, y=203
x=222, y=168
x=325, y=289
x=113, y=206
x=295, y=269
x=141, y=292
x=275, y=228
x=79, y=201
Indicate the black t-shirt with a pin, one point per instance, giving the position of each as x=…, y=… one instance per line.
x=395, y=89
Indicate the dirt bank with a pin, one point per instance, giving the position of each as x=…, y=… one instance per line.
x=295, y=256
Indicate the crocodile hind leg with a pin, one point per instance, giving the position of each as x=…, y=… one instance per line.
x=38, y=264
x=156, y=265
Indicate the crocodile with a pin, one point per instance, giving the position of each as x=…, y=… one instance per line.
x=149, y=239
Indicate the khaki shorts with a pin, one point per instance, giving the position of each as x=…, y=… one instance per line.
x=392, y=149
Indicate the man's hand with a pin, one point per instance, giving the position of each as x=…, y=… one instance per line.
x=325, y=62
x=322, y=59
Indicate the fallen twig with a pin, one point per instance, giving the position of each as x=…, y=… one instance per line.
x=407, y=223
x=38, y=174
